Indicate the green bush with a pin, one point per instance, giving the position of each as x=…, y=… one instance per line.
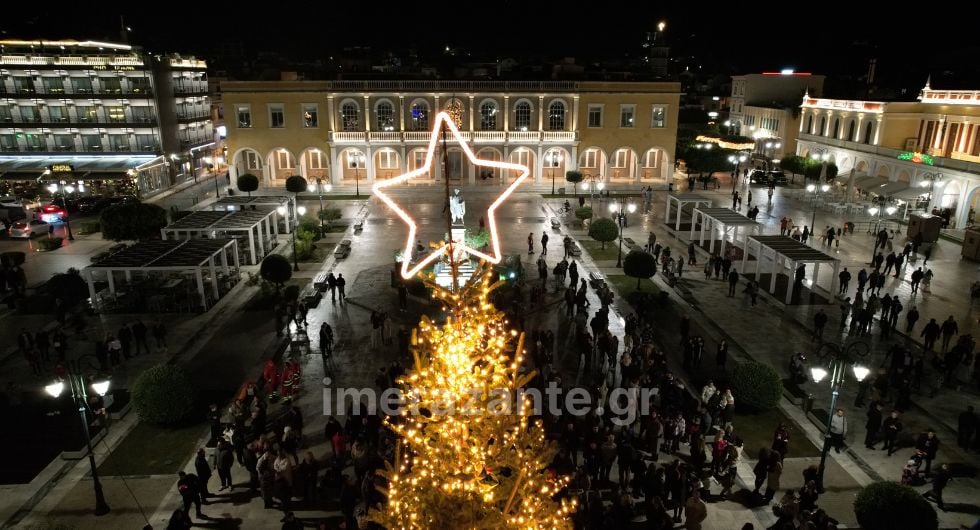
x=51, y=243
x=888, y=505
x=309, y=224
x=164, y=395
x=69, y=286
x=304, y=243
x=477, y=239
x=276, y=269
x=604, y=230
x=89, y=226
x=296, y=184
x=248, y=183
x=756, y=386
x=639, y=264
x=583, y=213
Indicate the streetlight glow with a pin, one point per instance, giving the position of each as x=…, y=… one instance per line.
x=301, y=210
x=873, y=210
x=600, y=186
x=55, y=389
x=631, y=207
x=311, y=188
x=810, y=187
x=825, y=188
x=818, y=374
x=891, y=210
x=612, y=208
x=860, y=372
x=281, y=210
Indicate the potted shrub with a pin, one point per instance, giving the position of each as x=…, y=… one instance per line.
x=756, y=386
x=164, y=395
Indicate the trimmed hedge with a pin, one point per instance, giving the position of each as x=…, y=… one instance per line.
x=889, y=505
x=51, y=243
x=756, y=386
x=164, y=395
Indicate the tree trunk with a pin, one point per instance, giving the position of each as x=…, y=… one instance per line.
x=638, y=288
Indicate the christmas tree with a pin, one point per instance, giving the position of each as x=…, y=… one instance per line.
x=469, y=454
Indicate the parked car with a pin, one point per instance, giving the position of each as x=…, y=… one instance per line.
x=52, y=213
x=775, y=176
x=27, y=230
x=90, y=204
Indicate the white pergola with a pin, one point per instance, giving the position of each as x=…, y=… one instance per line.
x=723, y=220
x=167, y=256
x=682, y=200
x=260, y=225
x=267, y=202
x=782, y=251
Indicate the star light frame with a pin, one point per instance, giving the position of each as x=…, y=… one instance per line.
x=495, y=257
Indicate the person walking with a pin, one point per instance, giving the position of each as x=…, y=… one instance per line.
x=342, y=287
x=332, y=286
x=530, y=243
x=190, y=493
x=819, y=322
x=929, y=334
x=910, y=318
x=916, y=277
x=939, y=483
x=948, y=329
x=732, y=282
x=927, y=445
x=838, y=430
x=873, y=425
x=203, y=470
x=845, y=279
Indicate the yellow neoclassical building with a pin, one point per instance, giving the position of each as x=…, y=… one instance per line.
x=354, y=132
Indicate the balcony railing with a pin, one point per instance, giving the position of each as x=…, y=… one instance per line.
x=453, y=86
x=523, y=136
x=354, y=137
x=558, y=136
x=345, y=137
x=417, y=136
x=69, y=93
x=489, y=136
x=385, y=136
x=888, y=152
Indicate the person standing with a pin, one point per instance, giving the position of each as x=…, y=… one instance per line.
x=845, y=278
x=544, y=243
x=189, y=489
x=928, y=445
x=892, y=426
x=530, y=243
x=949, y=328
x=342, y=287
x=203, y=474
x=332, y=286
x=695, y=511
x=838, y=430
x=819, y=322
x=967, y=426
x=225, y=459
x=721, y=358
x=873, y=425
x=732, y=282
x=911, y=317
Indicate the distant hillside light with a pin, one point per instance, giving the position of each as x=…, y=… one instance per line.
x=661, y=26
x=787, y=71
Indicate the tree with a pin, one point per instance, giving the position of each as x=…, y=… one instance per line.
x=329, y=215
x=706, y=160
x=163, y=394
x=758, y=386
x=467, y=456
x=603, y=229
x=887, y=505
x=275, y=268
x=583, y=213
x=296, y=184
x=476, y=239
x=640, y=264
x=69, y=286
x=574, y=177
x=133, y=221
x=248, y=183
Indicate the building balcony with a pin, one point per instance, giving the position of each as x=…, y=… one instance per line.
x=193, y=116
x=84, y=94
x=955, y=162
x=348, y=137
x=558, y=136
x=524, y=136
x=385, y=136
x=185, y=90
x=489, y=136
x=480, y=137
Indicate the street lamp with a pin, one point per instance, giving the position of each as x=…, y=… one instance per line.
x=293, y=223
x=736, y=160
x=834, y=360
x=591, y=185
x=822, y=156
x=554, y=158
x=617, y=210
x=79, y=396
x=876, y=212
x=319, y=188
x=357, y=158
x=929, y=181
x=66, y=190
x=812, y=188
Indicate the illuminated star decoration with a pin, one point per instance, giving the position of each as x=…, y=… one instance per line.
x=495, y=256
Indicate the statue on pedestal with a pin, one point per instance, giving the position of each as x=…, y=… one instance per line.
x=457, y=207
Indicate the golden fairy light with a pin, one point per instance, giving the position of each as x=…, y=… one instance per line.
x=470, y=467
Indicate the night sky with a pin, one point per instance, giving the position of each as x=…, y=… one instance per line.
x=834, y=39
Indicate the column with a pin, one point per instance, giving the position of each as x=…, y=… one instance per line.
x=163, y=234
x=772, y=272
x=199, y=275
x=332, y=114
x=694, y=218
x=506, y=113
x=214, y=278
x=91, y=288
x=369, y=165
x=758, y=261
x=401, y=118
x=367, y=116
x=128, y=274
x=667, y=209
x=791, y=282
x=224, y=258
x=802, y=120
x=336, y=170
x=538, y=166
x=575, y=101
x=745, y=258
x=238, y=263
x=272, y=221
x=251, y=247
x=878, y=125
x=680, y=208
x=834, y=279
x=573, y=163
x=540, y=113
x=816, y=273
x=471, y=117
x=112, y=282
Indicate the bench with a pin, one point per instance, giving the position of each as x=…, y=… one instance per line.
x=555, y=223
x=596, y=279
x=631, y=244
x=311, y=296
x=574, y=250
x=99, y=257
x=117, y=247
x=320, y=282
x=359, y=225
x=343, y=249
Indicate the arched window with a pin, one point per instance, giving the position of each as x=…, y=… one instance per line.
x=385, y=115
x=488, y=116
x=823, y=125
x=349, y=116
x=522, y=116
x=556, y=116
x=836, y=128
x=809, y=124
x=851, y=131
x=869, y=130
x=420, y=116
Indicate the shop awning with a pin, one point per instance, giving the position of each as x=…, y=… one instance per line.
x=890, y=189
x=910, y=193
x=869, y=183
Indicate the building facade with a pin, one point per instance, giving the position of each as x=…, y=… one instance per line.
x=102, y=111
x=765, y=107
x=926, y=151
x=355, y=132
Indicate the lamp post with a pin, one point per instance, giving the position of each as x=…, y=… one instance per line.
x=319, y=188
x=929, y=181
x=876, y=211
x=822, y=156
x=293, y=223
x=812, y=188
x=591, y=185
x=833, y=360
x=357, y=159
x=553, y=158
x=736, y=160
x=66, y=190
x=620, y=218
x=79, y=396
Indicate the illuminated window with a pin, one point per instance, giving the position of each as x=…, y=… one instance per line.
x=589, y=158
x=385, y=115
x=349, y=116
x=116, y=114
x=522, y=157
x=54, y=85
x=595, y=116
x=556, y=116
x=522, y=116
x=110, y=85
x=252, y=160
x=418, y=159
x=658, y=118
x=488, y=116
x=81, y=85
x=57, y=114
x=619, y=161
x=315, y=160
x=310, y=116
x=651, y=158
x=244, y=113
x=284, y=160
x=277, y=118
x=387, y=160
x=626, y=115
x=420, y=116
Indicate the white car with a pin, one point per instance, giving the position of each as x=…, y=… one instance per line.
x=27, y=229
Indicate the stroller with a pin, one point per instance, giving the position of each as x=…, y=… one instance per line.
x=912, y=473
